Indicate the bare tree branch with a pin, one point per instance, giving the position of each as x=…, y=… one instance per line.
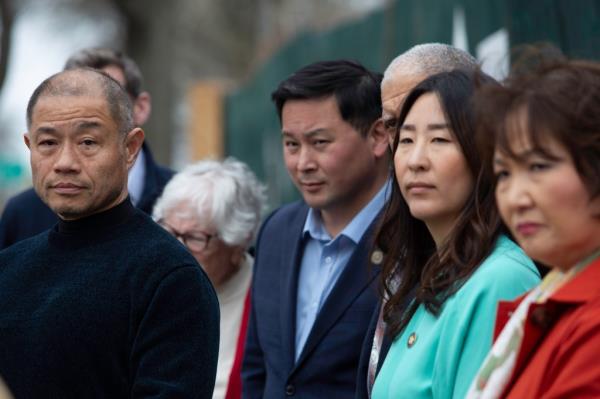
x=7, y=18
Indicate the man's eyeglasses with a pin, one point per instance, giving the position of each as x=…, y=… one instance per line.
x=196, y=242
x=391, y=126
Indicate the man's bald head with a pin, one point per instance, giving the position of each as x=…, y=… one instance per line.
x=86, y=82
x=416, y=64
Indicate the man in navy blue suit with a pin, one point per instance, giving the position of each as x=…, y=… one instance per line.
x=25, y=215
x=314, y=288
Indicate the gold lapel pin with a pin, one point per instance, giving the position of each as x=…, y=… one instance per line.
x=377, y=257
x=412, y=338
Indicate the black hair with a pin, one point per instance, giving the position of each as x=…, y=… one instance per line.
x=559, y=100
x=356, y=89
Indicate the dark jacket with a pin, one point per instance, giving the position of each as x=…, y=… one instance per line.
x=327, y=366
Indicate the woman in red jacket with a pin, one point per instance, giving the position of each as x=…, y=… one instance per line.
x=542, y=131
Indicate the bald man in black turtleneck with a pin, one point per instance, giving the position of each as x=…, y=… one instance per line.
x=107, y=304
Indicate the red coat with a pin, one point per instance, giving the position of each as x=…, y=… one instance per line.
x=560, y=353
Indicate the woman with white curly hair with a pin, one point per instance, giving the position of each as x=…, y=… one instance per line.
x=214, y=208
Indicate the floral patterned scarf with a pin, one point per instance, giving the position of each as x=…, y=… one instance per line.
x=497, y=368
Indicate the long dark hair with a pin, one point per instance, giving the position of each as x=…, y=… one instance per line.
x=411, y=257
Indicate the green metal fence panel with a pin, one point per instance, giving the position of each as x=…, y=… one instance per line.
x=573, y=26
x=483, y=18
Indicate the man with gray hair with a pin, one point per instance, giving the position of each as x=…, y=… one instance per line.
x=411, y=67
x=400, y=77
x=106, y=304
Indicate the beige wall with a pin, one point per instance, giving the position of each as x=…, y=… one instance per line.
x=206, y=124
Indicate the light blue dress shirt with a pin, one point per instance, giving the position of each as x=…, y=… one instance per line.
x=324, y=259
x=136, y=178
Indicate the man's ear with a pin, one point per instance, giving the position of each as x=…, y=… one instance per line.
x=133, y=144
x=27, y=140
x=142, y=107
x=379, y=138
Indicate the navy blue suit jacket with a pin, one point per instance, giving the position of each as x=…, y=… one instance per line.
x=25, y=215
x=328, y=364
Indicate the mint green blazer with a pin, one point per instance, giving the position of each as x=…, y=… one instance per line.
x=445, y=352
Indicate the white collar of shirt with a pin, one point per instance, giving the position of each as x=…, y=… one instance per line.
x=137, y=175
x=357, y=226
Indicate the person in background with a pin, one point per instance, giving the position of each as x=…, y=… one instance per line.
x=541, y=135
x=313, y=291
x=400, y=77
x=214, y=208
x=106, y=304
x=413, y=66
x=26, y=215
x=444, y=251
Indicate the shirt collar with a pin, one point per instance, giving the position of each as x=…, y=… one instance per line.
x=137, y=174
x=354, y=230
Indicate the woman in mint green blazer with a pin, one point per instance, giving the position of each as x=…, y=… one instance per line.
x=445, y=254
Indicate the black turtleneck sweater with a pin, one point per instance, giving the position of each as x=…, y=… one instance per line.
x=109, y=306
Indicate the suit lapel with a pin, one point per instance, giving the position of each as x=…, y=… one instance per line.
x=356, y=277
x=291, y=255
